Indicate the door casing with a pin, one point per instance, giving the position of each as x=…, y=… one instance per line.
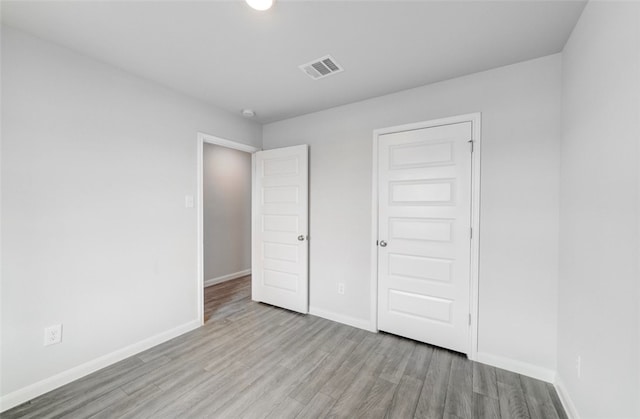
x=475, y=119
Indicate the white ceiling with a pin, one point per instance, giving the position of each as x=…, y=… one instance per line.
x=234, y=57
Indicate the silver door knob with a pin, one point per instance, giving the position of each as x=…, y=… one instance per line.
x=383, y=243
x=301, y=238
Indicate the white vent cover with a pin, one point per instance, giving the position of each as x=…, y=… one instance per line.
x=322, y=67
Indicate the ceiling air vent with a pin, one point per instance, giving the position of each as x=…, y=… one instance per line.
x=321, y=67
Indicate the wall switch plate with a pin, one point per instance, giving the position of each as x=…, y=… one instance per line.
x=188, y=201
x=341, y=288
x=52, y=334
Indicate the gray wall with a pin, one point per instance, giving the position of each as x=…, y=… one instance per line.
x=599, y=235
x=96, y=164
x=227, y=211
x=520, y=107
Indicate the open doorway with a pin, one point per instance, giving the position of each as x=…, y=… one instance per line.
x=224, y=225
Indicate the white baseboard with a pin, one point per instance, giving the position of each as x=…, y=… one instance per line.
x=34, y=390
x=227, y=277
x=567, y=403
x=340, y=318
x=519, y=367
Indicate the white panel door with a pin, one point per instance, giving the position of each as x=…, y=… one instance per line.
x=424, y=231
x=280, y=227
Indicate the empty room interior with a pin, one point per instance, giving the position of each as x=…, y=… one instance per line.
x=301, y=209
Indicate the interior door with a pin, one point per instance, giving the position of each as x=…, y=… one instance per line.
x=424, y=229
x=280, y=227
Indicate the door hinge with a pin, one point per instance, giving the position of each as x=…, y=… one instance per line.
x=470, y=232
x=471, y=144
x=469, y=319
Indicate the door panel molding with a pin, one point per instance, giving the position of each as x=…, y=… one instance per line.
x=475, y=119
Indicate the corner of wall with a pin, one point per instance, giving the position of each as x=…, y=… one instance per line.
x=565, y=398
x=34, y=390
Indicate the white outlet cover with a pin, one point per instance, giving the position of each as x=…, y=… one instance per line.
x=188, y=201
x=52, y=334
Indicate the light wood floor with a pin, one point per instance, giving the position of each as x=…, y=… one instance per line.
x=252, y=360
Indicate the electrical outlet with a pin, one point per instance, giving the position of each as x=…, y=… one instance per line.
x=341, y=288
x=579, y=366
x=52, y=334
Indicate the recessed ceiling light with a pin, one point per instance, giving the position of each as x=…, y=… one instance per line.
x=248, y=113
x=260, y=4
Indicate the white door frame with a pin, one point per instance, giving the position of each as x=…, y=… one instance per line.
x=210, y=139
x=475, y=119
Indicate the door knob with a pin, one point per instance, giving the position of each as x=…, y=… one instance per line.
x=301, y=238
x=383, y=243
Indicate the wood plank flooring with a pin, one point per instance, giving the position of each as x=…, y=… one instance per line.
x=252, y=360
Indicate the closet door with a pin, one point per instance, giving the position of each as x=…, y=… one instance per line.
x=424, y=227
